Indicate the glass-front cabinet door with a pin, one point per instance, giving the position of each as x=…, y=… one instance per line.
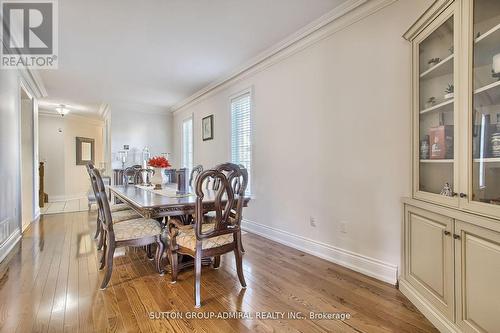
x=484, y=106
x=435, y=75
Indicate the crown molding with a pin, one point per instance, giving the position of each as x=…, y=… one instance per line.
x=104, y=110
x=71, y=116
x=34, y=81
x=428, y=16
x=334, y=21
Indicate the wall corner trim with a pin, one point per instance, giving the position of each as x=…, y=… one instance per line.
x=337, y=19
x=360, y=263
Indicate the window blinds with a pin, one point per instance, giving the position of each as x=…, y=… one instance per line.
x=187, y=143
x=241, y=133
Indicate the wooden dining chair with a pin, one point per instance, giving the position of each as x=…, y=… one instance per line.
x=237, y=176
x=132, y=173
x=120, y=212
x=203, y=240
x=195, y=173
x=136, y=233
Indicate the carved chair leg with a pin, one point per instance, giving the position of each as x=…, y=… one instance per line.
x=159, y=255
x=149, y=252
x=239, y=265
x=173, y=264
x=216, y=262
x=104, y=249
x=240, y=245
x=109, y=268
x=197, y=279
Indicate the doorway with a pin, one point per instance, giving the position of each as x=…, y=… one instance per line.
x=27, y=159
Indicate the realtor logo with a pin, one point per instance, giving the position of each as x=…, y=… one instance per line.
x=29, y=34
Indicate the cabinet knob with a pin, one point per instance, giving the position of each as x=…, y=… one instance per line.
x=446, y=233
x=463, y=195
x=456, y=236
x=454, y=194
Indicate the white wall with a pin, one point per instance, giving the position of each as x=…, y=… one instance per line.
x=10, y=201
x=27, y=162
x=331, y=141
x=63, y=178
x=139, y=127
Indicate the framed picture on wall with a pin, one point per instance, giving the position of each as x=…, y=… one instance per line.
x=207, y=128
x=84, y=150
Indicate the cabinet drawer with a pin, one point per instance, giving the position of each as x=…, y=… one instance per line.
x=429, y=257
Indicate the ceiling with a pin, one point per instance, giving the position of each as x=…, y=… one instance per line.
x=153, y=54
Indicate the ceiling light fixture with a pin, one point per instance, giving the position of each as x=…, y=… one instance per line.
x=62, y=110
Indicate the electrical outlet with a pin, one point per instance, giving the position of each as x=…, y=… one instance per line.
x=343, y=227
x=312, y=222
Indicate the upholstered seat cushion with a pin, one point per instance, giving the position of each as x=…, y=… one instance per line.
x=123, y=215
x=118, y=207
x=136, y=229
x=187, y=238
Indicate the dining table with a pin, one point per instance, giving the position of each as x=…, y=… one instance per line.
x=159, y=204
x=168, y=201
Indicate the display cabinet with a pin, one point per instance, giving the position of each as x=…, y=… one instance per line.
x=451, y=224
x=435, y=67
x=456, y=105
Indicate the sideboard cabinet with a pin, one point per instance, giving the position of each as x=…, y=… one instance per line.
x=451, y=230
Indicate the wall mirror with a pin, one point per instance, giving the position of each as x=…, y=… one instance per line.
x=84, y=150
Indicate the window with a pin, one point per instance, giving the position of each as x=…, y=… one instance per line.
x=241, y=133
x=187, y=143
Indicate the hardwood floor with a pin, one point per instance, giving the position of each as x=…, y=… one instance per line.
x=50, y=283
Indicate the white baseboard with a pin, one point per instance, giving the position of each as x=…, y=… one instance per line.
x=360, y=263
x=57, y=198
x=35, y=219
x=439, y=321
x=9, y=244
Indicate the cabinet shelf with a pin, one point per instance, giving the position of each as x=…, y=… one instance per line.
x=490, y=93
x=490, y=33
x=444, y=106
x=488, y=160
x=445, y=67
x=486, y=46
x=437, y=161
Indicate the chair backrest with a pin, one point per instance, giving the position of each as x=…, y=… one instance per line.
x=134, y=173
x=227, y=204
x=90, y=167
x=103, y=204
x=171, y=175
x=195, y=173
x=237, y=176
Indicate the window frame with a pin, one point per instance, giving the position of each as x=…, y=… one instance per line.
x=251, y=174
